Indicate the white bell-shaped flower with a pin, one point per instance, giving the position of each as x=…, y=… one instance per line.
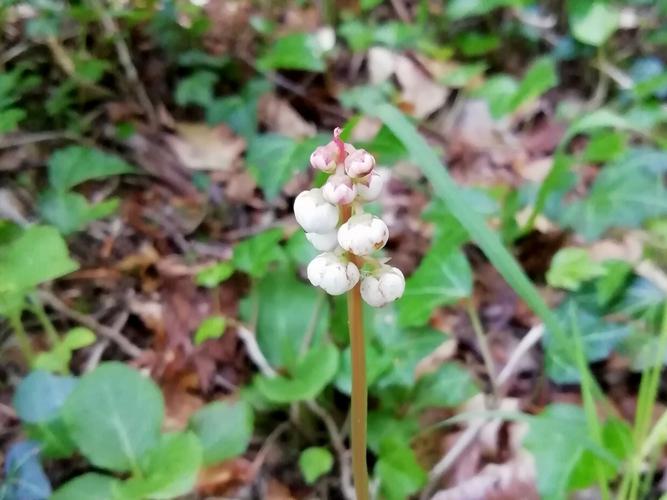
x=314, y=214
x=369, y=189
x=339, y=190
x=323, y=242
x=363, y=234
x=359, y=163
x=384, y=286
x=333, y=273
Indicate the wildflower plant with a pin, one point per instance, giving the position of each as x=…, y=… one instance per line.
x=336, y=224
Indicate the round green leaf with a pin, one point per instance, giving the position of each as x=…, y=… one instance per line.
x=90, y=486
x=79, y=337
x=224, y=429
x=211, y=328
x=40, y=396
x=114, y=416
x=314, y=462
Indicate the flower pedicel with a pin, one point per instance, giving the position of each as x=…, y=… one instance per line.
x=347, y=244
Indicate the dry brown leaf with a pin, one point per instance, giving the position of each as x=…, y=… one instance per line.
x=418, y=88
x=200, y=147
x=278, y=491
x=279, y=116
x=444, y=352
x=219, y=478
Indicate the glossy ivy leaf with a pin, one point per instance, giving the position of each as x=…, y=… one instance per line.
x=294, y=51
x=73, y=165
x=310, y=376
x=41, y=395
x=600, y=338
x=71, y=212
x=90, y=486
x=449, y=386
x=254, y=255
x=571, y=267
x=38, y=255
x=210, y=328
x=114, y=415
x=196, y=89
x=397, y=469
x=284, y=310
x=24, y=477
x=443, y=277
x=315, y=462
x=273, y=159
x=592, y=21
x=621, y=196
x=224, y=429
x=169, y=470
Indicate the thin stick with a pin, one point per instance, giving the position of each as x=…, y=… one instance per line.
x=359, y=403
x=483, y=348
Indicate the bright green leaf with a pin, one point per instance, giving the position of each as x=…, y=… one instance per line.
x=309, y=378
x=53, y=438
x=609, y=286
x=213, y=275
x=224, y=429
x=114, y=415
x=71, y=212
x=90, y=486
x=73, y=165
x=540, y=77
x=571, y=267
x=315, y=462
x=294, y=51
x=398, y=470
x=449, y=386
x=211, y=328
x=78, y=338
x=592, y=21
x=254, y=255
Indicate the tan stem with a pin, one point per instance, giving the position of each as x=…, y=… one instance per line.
x=359, y=407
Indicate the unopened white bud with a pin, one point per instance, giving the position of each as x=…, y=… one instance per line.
x=363, y=234
x=325, y=157
x=323, y=242
x=369, y=188
x=314, y=214
x=333, y=273
x=384, y=286
x=359, y=163
x=339, y=190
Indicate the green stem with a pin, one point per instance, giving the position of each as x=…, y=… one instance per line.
x=22, y=337
x=483, y=348
x=51, y=332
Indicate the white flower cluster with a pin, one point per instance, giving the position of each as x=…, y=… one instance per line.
x=347, y=244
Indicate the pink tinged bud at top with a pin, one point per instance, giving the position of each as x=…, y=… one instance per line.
x=383, y=287
x=363, y=234
x=325, y=157
x=332, y=273
x=314, y=214
x=370, y=187
x=359, y=163
x=339, y=190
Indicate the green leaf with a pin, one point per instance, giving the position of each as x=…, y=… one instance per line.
x=294, y=51
x=211, y=328
x=254, y=255
x=397, y=468
x=284, y=310
x=114, y=415
x=169, y=470
x=224, y=429
x=498, y=91
x=55, y=360
x=269, y=159
x=592, y=21
x=376, y=363
x=73, y=165
x=609, y=286
x=449, y=386
x=311, y=375
x=474, y=43
x=299, y=249
x=38, y=255
x=540, y=77
x=620, y=197
x=459, y=9
x=315, y=462
x=71, y=212
x=442, y=278
x=213, y=275
x=10, y=119
x=383, y=423
x=605, y=146
x=53, y=438
x=78, y=338
x=196, y=89
x=556, y=438
x=90, y=486
x=24, y=476
x=571, y=267
x=40, y=396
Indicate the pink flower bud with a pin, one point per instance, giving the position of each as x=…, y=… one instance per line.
x=359, y=163
x=325, y=157
x=339, y=190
